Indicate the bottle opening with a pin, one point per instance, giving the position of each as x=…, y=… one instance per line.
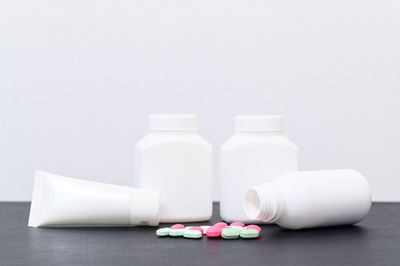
x=252, y=204
x=263, y=202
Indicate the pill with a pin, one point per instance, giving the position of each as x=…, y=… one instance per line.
x=163, y=231
x=233, y=227
x=198, y=228
x=178, y=226
x=192, y=234
x=249, y=233
x=205, y=228
x=220, y=225
x=230, y=232
x=176, y=232
x=253, y=226
x=214, y=231
x=237, y=224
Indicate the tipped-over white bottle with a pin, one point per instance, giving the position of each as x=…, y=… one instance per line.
x=174, y=160
x=311, y=199
x=257, y=153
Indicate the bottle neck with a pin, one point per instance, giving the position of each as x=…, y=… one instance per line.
x=264, y=202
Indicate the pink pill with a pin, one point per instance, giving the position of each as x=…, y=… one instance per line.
x=220, y=225
x=253, y=226
x=214, y=231
x=237, y=224
x=178, y=226
x=196, y=228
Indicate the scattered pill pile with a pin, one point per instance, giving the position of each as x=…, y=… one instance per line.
x=221, y=229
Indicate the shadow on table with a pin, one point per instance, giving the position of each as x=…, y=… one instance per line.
x=336, y=233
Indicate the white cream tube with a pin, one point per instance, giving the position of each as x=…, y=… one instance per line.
x=59, y=200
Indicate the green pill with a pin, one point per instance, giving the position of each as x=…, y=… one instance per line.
x=231, y=233
x=163, y=231
x=176, y=232
x=192, y=234
x=236, y=227
x=249, y=233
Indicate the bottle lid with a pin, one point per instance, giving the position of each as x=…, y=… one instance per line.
x=259, y=123
x=172, y=122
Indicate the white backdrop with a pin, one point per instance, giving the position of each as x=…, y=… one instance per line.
x=78, y=79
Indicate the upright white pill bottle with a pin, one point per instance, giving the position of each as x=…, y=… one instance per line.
x=257, y=153
x=309, y=199
x=173, y=159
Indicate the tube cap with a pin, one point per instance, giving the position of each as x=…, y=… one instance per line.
x=145, y=207
x=172, y=122
x=259, y=123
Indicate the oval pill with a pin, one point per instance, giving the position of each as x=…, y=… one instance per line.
x=176, y=232
x=249, y=233
x=196, y=228
x=230, y=232
x=192, y=234
x=214, y=231
x=253, y=226
x=237, y=224
x=235, y=227
x=220, y=225
x=178, y=226
x=163, y=231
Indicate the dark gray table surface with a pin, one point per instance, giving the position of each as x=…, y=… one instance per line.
x=374, y=241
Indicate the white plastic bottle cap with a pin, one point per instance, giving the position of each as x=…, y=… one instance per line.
x=259, y=123
x=172, y=122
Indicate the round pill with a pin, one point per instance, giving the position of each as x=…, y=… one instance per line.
x=192, y=234
x=230, y=233
x=237, y=224
x=198, y=228
x=253, y=226
x=163, y=231
x=176, y=232
x=205, y=228
x=178, y=226
x=214, y=231
x=249, y=233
